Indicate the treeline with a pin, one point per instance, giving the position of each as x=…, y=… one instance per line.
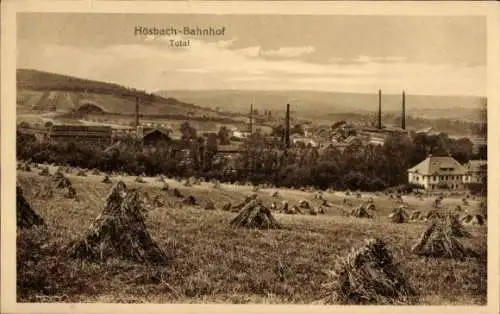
x=262, y=160
x=359, y=166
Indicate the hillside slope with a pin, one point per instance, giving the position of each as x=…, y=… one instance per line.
x=317, y=104
x=43, y=91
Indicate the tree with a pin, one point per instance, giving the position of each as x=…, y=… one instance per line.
x=338, y=124
x=461, y=149
x=187, y=131
x=278, y=130
x=297, y=129
x=211, y=143
x=482, y=152
x=398, y=149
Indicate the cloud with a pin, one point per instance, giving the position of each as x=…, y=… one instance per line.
x=368, y=59
x=214, y=65
x=249, y=51
x=289, y=52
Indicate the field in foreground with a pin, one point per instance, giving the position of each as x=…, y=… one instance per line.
x=213, y=262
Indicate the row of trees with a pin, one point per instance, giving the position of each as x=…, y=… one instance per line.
x=262, y=160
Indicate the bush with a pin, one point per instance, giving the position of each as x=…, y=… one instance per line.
x=477, y=188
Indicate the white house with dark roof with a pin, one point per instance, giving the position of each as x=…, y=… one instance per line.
x=438, y=173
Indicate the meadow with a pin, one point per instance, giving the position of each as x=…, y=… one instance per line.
x=212, y=262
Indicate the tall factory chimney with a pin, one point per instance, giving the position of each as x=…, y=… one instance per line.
x=403, y=113
x=251, y=119
x=379, y=124
x=287, y=126
x=136, y=111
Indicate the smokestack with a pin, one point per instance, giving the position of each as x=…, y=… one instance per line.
x=136, y=111
x=403, y=114
x=251, y=118
x=287, y=126
x=379, y=125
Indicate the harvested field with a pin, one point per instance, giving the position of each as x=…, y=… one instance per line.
x=210, y=261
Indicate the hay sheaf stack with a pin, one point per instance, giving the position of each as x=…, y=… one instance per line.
x=316, y=211
x=119, y=231
x=161, y=178
x=369, y=276
x=473, y=219
x=62, y=182
x=432, y=215
x=438, y=241
x=190, y=201
x=106, y=179
x=240, y=206
x=158, y=201
x=26, y=216
x=289, y=210
x=416, y=215
x=216, y=184
x=44, y=172
x=398, y=215
x=210, y=205
x=255, y=215
x=360, y=212
x=455, y=227
x=176, y=193
x=320, y=197
x=81, y=173
x=139, y=179
x=483, y=209
x=45, y=191
x=24, y=166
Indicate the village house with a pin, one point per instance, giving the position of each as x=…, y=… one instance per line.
x=240, y=134
x=430, y=131
x=305, y=140
x=154, y=137
x=439, y=173
x=476, y=171
x=91, y=134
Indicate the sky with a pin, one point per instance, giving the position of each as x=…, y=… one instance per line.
x=430, y=55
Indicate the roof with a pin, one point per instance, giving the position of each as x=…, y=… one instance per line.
x=376, y=141
x=155, y=131
x=429, y=130
x=438, y=165
x=80, y=128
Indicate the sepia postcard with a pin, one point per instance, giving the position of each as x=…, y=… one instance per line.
x=249, y=157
